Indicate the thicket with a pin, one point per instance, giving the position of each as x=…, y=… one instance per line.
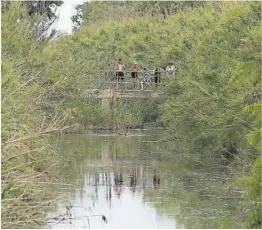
x=217, y=101
x=28, y=165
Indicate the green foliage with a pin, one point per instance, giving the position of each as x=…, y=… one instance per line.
x=25, y=158
x=213, y=101
x=253, y=186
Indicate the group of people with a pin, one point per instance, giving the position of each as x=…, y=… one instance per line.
x=148, y=76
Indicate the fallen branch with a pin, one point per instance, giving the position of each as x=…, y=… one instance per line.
x=63, y=217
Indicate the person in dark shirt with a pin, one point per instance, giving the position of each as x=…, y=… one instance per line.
x=157, y=74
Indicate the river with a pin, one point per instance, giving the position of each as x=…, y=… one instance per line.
x=135, y=181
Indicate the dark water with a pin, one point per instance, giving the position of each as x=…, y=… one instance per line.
x=135, y=182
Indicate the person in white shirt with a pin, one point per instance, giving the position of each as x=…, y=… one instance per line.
x=171, y=69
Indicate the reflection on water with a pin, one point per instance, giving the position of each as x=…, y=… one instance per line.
x=122, y=205
x=112, y=182
x=134, y=182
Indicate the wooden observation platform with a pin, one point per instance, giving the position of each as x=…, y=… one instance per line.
x=111, y=93
x=109, y=87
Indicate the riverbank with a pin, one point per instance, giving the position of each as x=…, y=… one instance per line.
x=81, y=129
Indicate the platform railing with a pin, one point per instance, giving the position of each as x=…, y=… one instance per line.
x=109, y=78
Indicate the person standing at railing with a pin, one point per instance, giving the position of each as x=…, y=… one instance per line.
x=171, y=69
x=120, y=70
x=157, y=74
x=134, y=73
x=146, y=79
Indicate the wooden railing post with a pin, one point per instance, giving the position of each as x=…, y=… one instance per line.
x=117, y=81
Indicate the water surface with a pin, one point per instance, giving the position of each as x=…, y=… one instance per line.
x=135, y=181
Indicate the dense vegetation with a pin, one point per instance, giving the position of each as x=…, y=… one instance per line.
x=26, y=169
x=213, y=106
